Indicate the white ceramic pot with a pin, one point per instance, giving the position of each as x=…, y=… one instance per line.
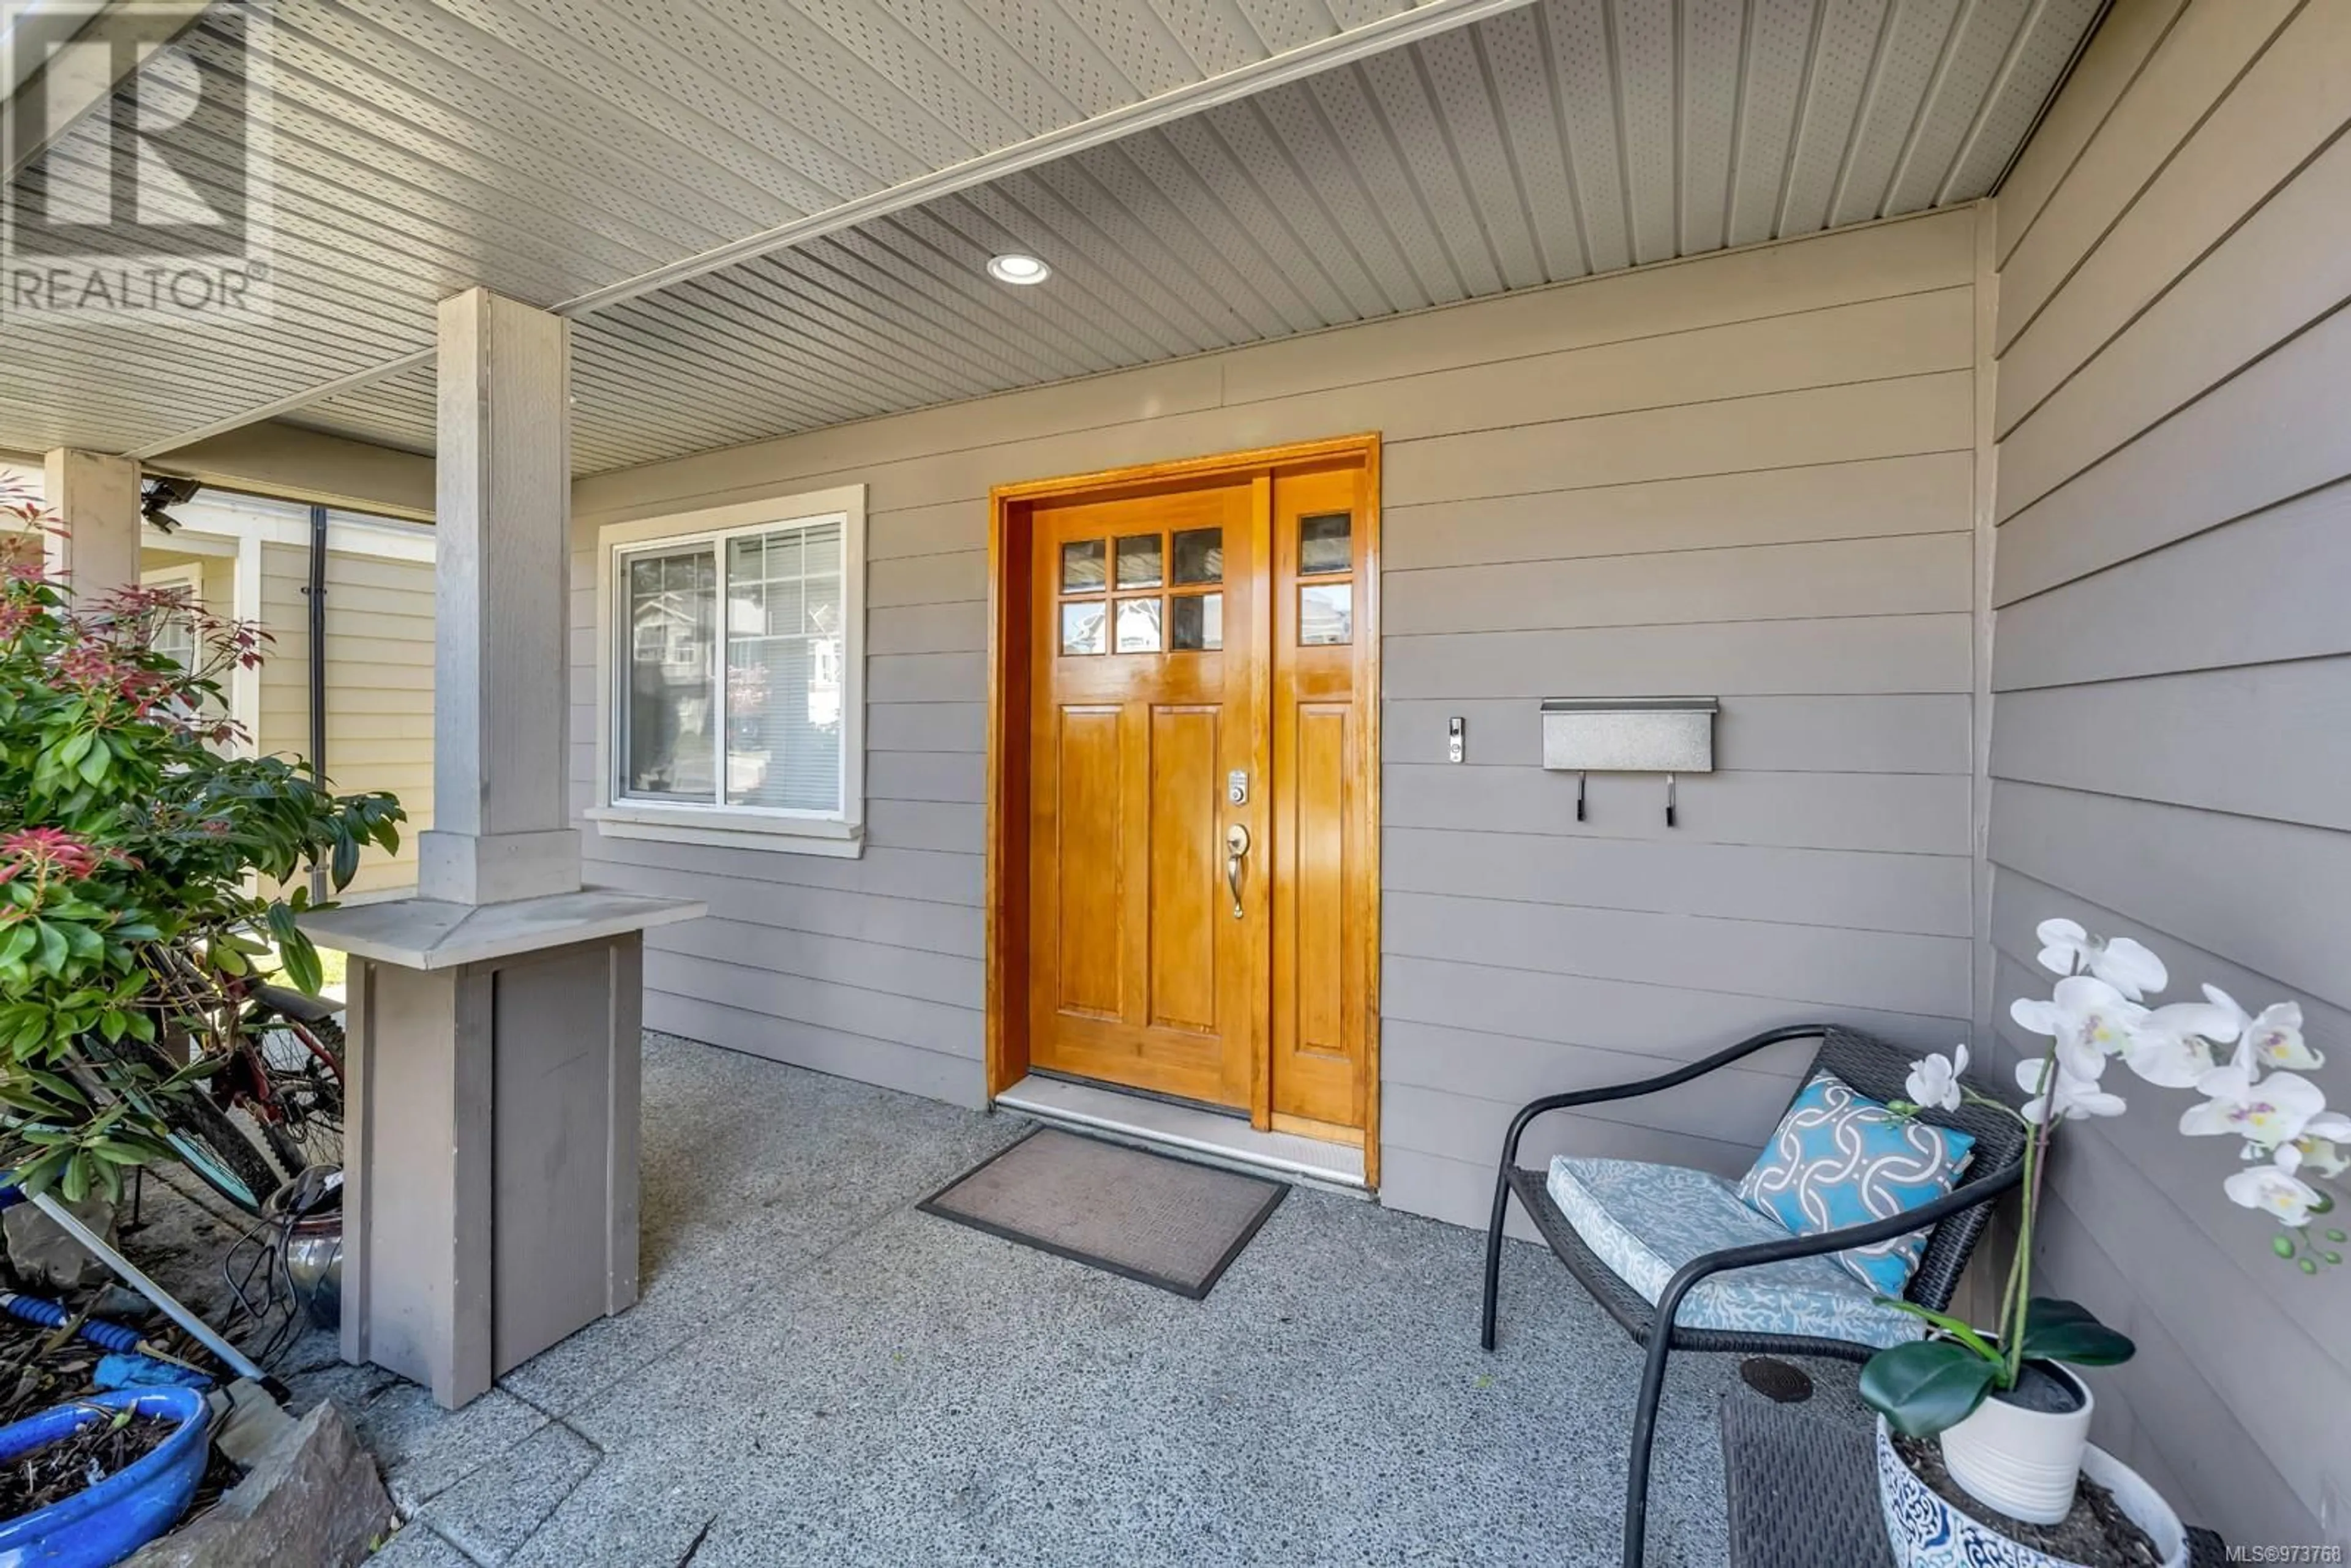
x=2022, y=1462
x=1926, y=1531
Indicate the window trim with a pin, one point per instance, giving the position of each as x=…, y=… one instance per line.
x=776, y=828
x=187, y=575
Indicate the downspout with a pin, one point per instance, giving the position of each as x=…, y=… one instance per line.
x=317, y=593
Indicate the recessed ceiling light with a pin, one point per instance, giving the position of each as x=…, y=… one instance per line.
x=1015, y=267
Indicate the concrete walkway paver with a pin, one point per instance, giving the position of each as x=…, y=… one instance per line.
x=819, y=1374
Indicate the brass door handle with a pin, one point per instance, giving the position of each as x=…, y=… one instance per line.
x=1236, y=848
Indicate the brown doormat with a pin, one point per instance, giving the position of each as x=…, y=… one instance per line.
x=1163, y=1221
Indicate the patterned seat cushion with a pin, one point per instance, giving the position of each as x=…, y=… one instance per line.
x=1645, y=1221
x=1840, y=1159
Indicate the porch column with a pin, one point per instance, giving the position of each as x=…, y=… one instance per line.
x=490, y=1124
x=501, y=703
x=97, y=496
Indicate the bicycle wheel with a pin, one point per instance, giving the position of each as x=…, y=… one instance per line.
x=301, y=1063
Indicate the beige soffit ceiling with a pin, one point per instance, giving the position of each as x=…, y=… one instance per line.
x=550, y=148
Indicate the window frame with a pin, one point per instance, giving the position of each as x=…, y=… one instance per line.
x=790, y=829
x=186, y=575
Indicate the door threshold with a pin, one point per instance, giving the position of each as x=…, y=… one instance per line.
x=1203, y=1135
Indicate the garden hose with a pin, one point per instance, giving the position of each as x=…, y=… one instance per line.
x=119, y=1338
x=53, y=1315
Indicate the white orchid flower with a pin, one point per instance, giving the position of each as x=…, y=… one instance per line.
x=2279, y=1191
x=2129, y=967
x=2270, y=1038
x=1934, y=1080
x=2072, y=1098
x=2324, y=1149
x=2089, y=1018
x=2274, y=1111
x=2324, y=1157
x=2171, y=1047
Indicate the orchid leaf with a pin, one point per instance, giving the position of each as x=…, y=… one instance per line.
x=2059, y=1330
x=1926, y=1387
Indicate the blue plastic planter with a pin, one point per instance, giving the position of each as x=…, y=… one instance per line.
x=102, y=1525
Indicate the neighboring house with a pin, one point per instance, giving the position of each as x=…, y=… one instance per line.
x=248, y=558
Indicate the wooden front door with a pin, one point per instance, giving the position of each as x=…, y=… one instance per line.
x=1198, y=774
x=1149, y=702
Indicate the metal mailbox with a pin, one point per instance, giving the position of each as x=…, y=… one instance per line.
x=1629, y=735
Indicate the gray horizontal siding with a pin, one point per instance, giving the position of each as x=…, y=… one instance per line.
x=926, y=726
x=2269, y=588
x=1923, y=895
x=2171, y=754
x=1736, y=1108
x=1864, y=500
x=1750, y=476
x=2152, y=738
x=1860, y=655
x=1780, y=960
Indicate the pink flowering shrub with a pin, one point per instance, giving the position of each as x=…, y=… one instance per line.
x=128, y=822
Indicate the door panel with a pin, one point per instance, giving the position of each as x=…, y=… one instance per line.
x=1184, y=765
x=1145, y=646
x=1086, y=835
x=1318, y=889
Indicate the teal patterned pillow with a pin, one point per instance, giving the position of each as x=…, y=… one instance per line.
x=1840, y=1159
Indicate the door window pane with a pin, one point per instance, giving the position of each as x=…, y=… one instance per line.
x=1138, y=625
x=1196, y=623
x=1138, y=561
x=1200, y=555
x=669, y=732
x=1081, y=567
x=1323, y=545
x=1326, y=613
x=784, y=669
x=1083, y=626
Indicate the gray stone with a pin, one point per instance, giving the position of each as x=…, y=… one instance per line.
x=314, y=1499
x=424, y=1449
x=45, y=1257
x=249, y=1422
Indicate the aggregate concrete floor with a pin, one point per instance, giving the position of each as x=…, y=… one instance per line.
x=817, y=1374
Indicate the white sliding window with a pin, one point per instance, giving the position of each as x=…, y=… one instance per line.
x=731, y=675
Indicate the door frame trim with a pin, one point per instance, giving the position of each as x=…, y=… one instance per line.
x=1008, y=689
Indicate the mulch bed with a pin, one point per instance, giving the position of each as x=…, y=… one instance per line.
x=2096, y=1533
x=80, y=1460
x=41, y=1367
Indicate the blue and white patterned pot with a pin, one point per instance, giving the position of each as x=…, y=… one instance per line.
x=1927, y=1532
